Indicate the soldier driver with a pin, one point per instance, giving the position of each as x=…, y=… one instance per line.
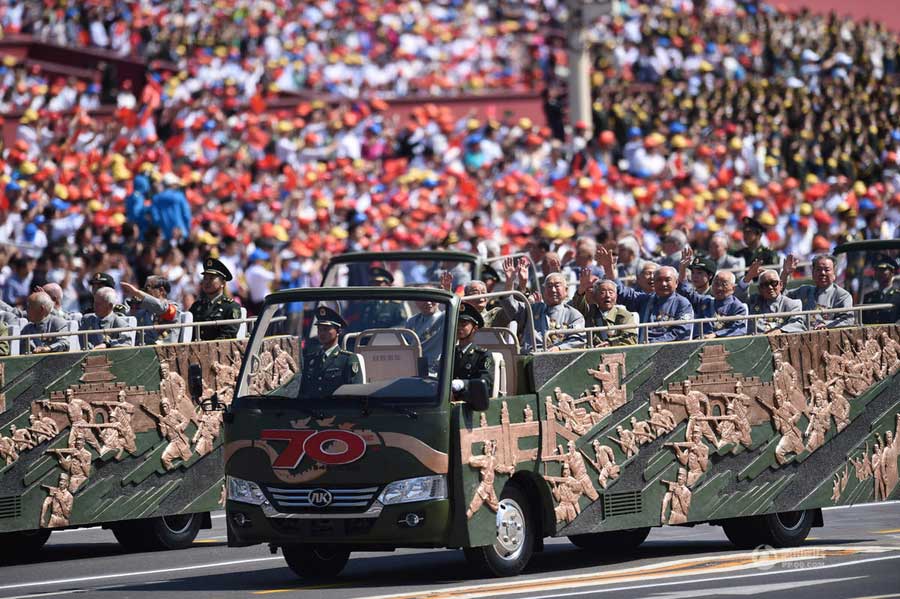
x=330, y=367
x=470, y=362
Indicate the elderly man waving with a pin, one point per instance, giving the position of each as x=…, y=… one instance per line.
x=551, y=316
x=721, y=302
x=663, y=305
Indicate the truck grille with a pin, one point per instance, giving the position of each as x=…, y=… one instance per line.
x=11, y=506
x=299, y=499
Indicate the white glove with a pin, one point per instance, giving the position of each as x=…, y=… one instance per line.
x=457, y=385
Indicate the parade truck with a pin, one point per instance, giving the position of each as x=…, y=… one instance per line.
x=112, y=438
x=755, y=434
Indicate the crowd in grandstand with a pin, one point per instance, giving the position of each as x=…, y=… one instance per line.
x=701, y=119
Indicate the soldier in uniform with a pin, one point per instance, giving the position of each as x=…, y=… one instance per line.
x=101, y=280
x=213, y=304
x=823, y=294
x=40, y=320
x=104, y=318
x=152, y=307
x=753, y=249
x=470, y=362
x=885, y=268
x=57, y=507
x=769, y=300
x=330, y=366
x=702, y=272
x=380, y=314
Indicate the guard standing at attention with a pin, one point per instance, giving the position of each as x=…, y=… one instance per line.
x=330, y=366
x=213, y=304
x=470, y=362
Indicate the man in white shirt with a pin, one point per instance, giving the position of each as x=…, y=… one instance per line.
x=259, y=279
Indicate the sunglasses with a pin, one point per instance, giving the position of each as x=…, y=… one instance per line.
x=769, y=283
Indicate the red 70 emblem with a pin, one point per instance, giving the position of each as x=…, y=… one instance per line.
x=332, y=447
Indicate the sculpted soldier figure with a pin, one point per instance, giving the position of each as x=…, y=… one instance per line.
x=785, y=417
x=737, y=408
x=21, y=438
x=890, y=355
x=225, y=378
x=679, y=498
x=76, y=461
x=205, y=437
x=694, y=454
x=627, y=441
x=697, y=405
x=285, y=367
x=605, y=462
x=58, y=505
x=489, y=467
x=566, y=490
x=840, y=406
x=8, y=450
x=641, y=430
x=172, y=426
x=79, y=411
x=578, y=468
x=662, y=420
x=42, y=429
x=819, y=422
x=172, y=385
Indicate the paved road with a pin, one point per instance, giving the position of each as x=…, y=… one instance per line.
x=857, y=554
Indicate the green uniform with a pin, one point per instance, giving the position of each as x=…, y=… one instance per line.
x=220, y=308
x=382, y=314
x=766, y=255
x=325, y=371
x=472, y=363
x=888, y=315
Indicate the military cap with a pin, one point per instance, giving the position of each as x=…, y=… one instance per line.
x=885, y=261
x=380, y=275
x=469, y=312
x=213, y=266
x=704, y=263
x=102, y=279
x=751, y=223
x=489, y=273
x=329, y=317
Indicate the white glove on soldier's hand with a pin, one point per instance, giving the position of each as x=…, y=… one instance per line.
x=457, y=385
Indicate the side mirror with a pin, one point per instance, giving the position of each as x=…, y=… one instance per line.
x=475, y=395
x=195, y=382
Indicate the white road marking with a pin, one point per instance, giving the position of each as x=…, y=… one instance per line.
x=42, y=583
x=861, y=505
x=753, y=589
x=713, y=579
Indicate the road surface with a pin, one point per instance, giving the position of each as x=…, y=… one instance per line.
x=856, y=554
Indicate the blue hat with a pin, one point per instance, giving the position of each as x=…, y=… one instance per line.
x=30, y=231
x=39, y=219
x=13, y=186
x=634, y=132
x=866, y=204
x=60, y=205
x=259, y=254
x=677, y=127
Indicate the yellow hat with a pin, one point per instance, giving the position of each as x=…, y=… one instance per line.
x=61, y=191
x=9, y=60
x=735, y=143
x=750, y=188
x=525, y=123
x=339, y=232
x=806, y=209
x=767, y=219
x=95, y=206
x=117, y=219
x=722, y=214
x=28, y=168
x=280, y=233
x=29, y=116
x=859, y=188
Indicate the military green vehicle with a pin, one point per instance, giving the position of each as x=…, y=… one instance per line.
x=112, y=438
x=369, y=447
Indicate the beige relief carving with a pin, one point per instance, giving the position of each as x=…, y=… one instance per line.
x=57, y=507
x=605, y=463
x=8, y=450
x=566, y=490
x=276, y=367
x=879, y=464
x=172, y=425
x=839, y=484
x=676, y=502
x=489, y=466
x=693, y=454
x=627, y=441
x=75, y=461
x=205, y=438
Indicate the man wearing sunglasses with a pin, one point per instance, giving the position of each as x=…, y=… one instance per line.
x=151, y=306
x=769, y=300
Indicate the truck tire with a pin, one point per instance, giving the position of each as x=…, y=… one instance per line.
x=784, y=529
x=514, y=546
x=316, y=562
x=156, y=534
x=608, y=542
x=22, y=545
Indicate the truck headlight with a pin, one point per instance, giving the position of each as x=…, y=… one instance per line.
x=244, y=491
x=414, y=489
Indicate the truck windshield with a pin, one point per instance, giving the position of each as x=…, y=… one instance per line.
x=367, y=349
x=402, y=273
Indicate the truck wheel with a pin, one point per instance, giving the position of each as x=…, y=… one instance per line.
x=23, y=544
x=784, y=529
x=607, y=542
x=514, y=546
x=154, y=534
x=317, y=562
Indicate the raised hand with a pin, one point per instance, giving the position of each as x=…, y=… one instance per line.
x=509, y=272
x=523, y=270
x=790, y=265
x=447, y=281
x=584, y=281
x=753, y=270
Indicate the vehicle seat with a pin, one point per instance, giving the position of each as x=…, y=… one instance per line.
x=389, y=353
x=502, y=341
x=242, y=328
x=499, y=389
x=186, y=334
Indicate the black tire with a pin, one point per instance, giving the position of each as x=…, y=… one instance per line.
x=316, y=562
x=784, y=529
x=614, y=541
x=157, y=534
x=514, y=546
x=22, y=545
